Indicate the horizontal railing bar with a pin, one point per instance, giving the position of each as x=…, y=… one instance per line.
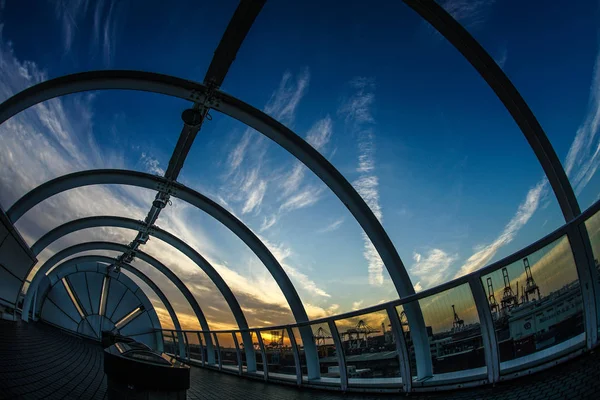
x=516, y=256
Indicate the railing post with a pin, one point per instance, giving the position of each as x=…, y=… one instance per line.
x=180, y=344
x=173, y=341
x=201, y=348
x=488, y=331
x=264, y=355
x=210, y=350
x=237, y=352
x=216, y=339
x=187, y=346
x=313, y=369
x=340, y=354
x=420, y=340
x=588, y=280
x=249, y=350
x=294, y=345
x=401, y=348
x=160, y=341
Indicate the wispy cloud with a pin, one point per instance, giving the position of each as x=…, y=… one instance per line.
x=244, y=181
x=151, y=164
x=502, y=57
x=282, y=253
x=318, y=136
x=357, y=111
x=583, y=157
x=334, y=226
x=57, y=138
x=470, y=13
x=432, y=268
x=73, y=15
x=525, y=211
x=307, y=197
x=70, y=14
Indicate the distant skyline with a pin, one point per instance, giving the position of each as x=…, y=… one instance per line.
x=393, y=106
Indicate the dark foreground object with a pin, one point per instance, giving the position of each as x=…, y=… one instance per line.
x=40, y=362
x=134, y=371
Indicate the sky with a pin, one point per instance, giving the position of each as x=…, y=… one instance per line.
x=380, y=94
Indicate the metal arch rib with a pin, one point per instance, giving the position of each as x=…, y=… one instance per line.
x=144, y=81
x=117, y=247
x=140, y=179
x=193, y=91
x=512, y=100
x=121, y=222
x=110, y=260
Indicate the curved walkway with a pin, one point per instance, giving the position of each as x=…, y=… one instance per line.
x=39, y=361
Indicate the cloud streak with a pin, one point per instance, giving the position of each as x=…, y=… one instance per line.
x=334, y=226
x=583, y=157
x=525, y=211
x=357, y=111
x=432, y=268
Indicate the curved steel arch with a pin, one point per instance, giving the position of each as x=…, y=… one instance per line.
x=148, y=181
x=168, y=85
x=133, y=270
x=142, y=256
x=90, y=222
x=130, y=284
x=235, y=108
x=215, y=277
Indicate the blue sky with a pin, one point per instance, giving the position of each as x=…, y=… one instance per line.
x=380, y=94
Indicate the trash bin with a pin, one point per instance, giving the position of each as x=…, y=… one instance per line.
x=134, y=371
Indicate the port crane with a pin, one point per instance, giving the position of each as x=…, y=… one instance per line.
x=321, y=336
x=458, y=324
x=509, y=298
x=494, y=306
x=531, y=288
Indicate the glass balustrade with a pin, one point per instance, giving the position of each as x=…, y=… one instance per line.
x=536, y=305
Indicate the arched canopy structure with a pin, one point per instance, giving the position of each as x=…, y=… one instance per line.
x=69, y=251
x=140, y=179
x=251, y=116
x=96, y=305
x=174, y=241
x=88, y=246
x=109, y=260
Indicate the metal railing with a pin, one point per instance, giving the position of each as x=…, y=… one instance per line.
x=483, y=327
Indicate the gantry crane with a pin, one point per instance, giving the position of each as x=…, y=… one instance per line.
x=458, y=324
x=531, y=288
x=509, y=299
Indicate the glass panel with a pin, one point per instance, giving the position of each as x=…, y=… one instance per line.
x=278, y=348
x=593, y=227
x=536, y=303
x=369, y=346
x=194, y=346
x=169, y=344
x=454, y=332
x=227, y=349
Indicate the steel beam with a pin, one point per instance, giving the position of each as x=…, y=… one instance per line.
x=109, y=260
x=139, y=254
x=215, y=277
x=488, y=330
x=514, y=103
x=140, y=179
